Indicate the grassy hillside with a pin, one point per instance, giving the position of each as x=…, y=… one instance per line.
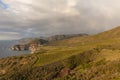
x=93, y=57
x=113, y=34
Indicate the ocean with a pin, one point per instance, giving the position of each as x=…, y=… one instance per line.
x=5, y=50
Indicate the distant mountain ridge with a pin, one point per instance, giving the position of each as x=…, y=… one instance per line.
x=61, y=37
x=33, y=43
x=51, y=38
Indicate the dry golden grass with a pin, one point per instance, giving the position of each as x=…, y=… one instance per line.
x=110, y=55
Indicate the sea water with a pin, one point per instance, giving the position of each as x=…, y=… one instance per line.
x=5, y=50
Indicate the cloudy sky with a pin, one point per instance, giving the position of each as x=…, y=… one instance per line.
x=29, y=18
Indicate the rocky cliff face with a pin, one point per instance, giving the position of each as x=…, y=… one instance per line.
x=20, y=47
x=31, y=46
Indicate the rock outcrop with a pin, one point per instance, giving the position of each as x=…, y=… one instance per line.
x=31, y=46
x=66, y=71
x=20, y=47
x=34, y=47
x=2, y=72
x=25, y=47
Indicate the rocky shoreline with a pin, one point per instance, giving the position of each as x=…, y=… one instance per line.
x=31, y=47
x=20, y=47
x=33, y=44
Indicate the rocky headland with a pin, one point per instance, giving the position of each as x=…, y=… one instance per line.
x=32, y=44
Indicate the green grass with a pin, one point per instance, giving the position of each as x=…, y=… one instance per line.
x=57, y=54
x=61, y=52
x=117, y=79
x=72, y=53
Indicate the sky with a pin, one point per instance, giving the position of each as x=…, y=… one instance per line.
x=34, y=18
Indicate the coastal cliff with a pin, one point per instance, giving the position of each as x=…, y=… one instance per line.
x=31, y=46
x=20, y=47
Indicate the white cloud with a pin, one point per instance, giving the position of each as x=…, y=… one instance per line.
x=39, y=17
x=72, y=3
x=9, y=35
